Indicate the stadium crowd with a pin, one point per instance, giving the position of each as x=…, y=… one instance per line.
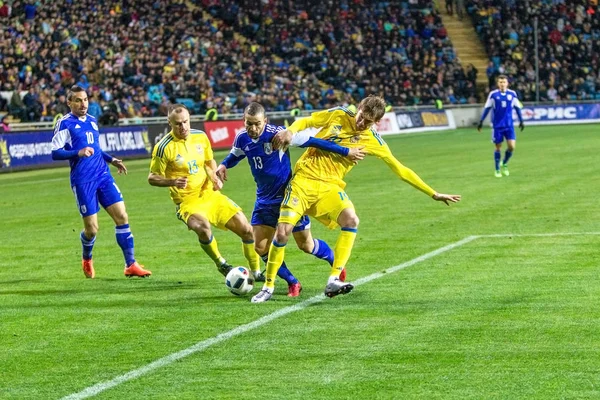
x=135, y=58
x=569, y=45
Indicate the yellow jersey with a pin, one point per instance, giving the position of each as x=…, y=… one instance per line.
x=339, y=126
x=176, y=158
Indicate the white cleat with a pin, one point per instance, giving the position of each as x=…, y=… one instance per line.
x=262, y=296
x=338, y=287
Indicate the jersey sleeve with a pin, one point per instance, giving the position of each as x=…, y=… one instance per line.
x=316, y=120
x=158, y=164
x=62, y=136
x=380, y=149
x=490, y=102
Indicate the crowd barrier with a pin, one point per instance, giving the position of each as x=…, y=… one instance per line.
x=32, y=149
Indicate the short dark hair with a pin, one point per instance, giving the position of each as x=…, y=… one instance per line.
x=74, y=89
x=176, y=108
x=501, y=77
x=254, y=108
x=373, y=107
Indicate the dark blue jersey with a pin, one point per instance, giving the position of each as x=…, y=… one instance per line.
x=73, y=134
x=502, y=105
x=270, y=168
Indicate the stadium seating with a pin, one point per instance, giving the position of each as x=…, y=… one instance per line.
x=135, y=58
x=569, y=45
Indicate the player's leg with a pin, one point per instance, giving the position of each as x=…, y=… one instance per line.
x=511, y=142
x=263, y=235
x=87, y=205
x=336, y=206
x=497, y=157
x=111, y=199
x=239, y=225
x=317, y=247
x=264, y=221
x=299, y=194
x=193, y=211
x=88, y=238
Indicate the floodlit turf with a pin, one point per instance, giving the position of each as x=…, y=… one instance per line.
x=498, y=317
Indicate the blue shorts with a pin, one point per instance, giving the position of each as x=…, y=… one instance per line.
x=103, y=190
x=498, y=135
x=269, y=214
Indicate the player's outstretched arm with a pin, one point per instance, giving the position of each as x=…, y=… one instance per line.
x=447, y=198
x=161, y=181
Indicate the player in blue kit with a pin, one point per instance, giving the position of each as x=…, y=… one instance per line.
x=502, y=101
x=272, y=171
x=76, y=139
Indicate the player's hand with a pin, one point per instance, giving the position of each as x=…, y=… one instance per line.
x=217, y=183
x=221, y=172
x=355, y=154
x=479, y=126
x=282, y=139
x=120, y=166
x=447, y=198
x=180, y=183
x=86, y=152
x=521, y=126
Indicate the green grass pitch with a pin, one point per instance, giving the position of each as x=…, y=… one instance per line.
x=512, y=317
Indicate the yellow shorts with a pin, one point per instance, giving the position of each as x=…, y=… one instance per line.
x=322, y=200
x=217, y=208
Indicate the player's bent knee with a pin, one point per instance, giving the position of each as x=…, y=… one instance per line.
x=283, y=233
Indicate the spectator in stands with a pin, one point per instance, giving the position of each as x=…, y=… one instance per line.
x=4, y=127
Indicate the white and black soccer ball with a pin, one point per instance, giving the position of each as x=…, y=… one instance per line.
x=239, y=281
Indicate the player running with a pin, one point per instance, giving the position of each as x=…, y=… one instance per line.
x=502, y=101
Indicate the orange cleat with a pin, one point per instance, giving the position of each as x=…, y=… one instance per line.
x=294, y=289
x=88, y=268
x=343, y=275
x=136, y=269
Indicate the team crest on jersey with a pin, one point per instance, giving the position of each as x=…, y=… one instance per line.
x=199, y=149
x=509, y=97
x=295, y=201
x=268, y=148
x=355, y=139
x=94, y=125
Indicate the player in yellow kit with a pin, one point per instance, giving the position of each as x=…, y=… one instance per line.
x=183, y=161
x=317, y=188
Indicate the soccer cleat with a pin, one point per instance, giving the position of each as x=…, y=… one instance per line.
x=294, y=289
x=343, y=275
x=262, y=296
x=259, y=276
x=136, y=269
x=88, y=268
x=224, y=268
x=498, y=174
x=338, y=287
x=505, y=170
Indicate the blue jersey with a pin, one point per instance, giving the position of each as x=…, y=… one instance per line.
x=73, y=133
x=270, y=168
x=502, y=105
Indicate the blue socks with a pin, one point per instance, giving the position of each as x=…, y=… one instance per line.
x=87, y=245
x=322, y=251
x=284, y=273
x=507, y=156
x=497, y=160
x=125, y=241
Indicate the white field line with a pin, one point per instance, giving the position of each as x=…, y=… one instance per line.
x=200, y=346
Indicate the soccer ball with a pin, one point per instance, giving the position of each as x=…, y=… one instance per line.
x=239, y=281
